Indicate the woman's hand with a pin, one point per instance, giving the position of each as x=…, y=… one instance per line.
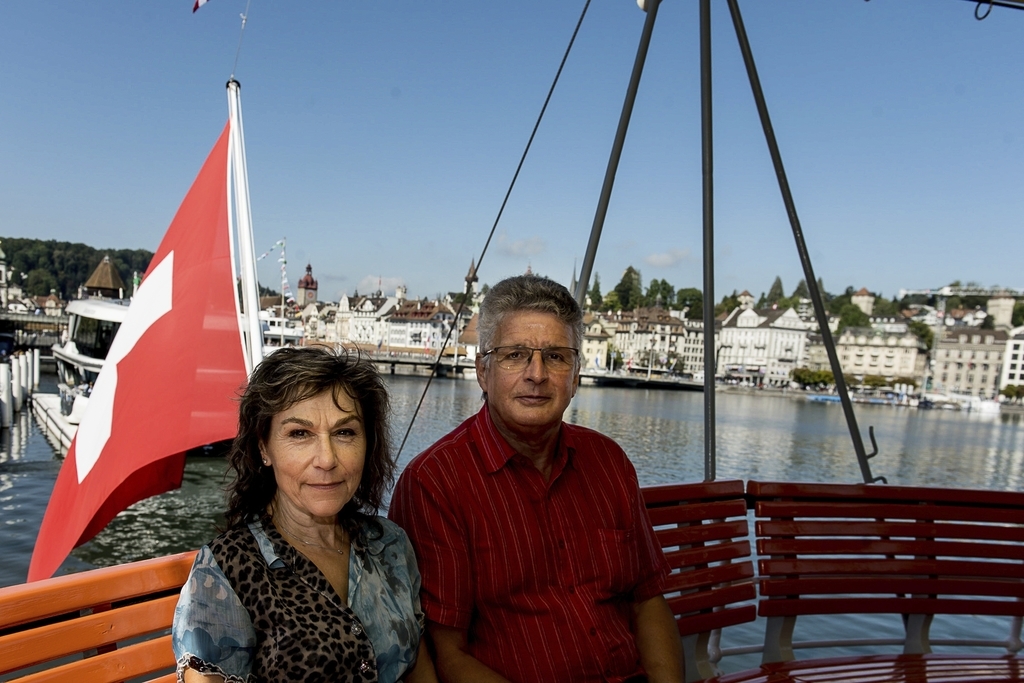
x=193, y=676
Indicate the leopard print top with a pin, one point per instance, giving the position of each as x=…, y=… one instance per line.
x=292, y=624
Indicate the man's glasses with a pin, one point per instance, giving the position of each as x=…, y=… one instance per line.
x=517, y=358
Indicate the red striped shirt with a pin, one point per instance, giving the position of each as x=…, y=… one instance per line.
x=542, y=574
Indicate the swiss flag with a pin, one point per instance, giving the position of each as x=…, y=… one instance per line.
x=169, y=382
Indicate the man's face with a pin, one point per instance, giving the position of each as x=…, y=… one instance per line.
x=531, y=400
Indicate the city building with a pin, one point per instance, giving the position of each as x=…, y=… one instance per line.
x=597, y=335
x=419, y=326
x=864, y=300
x=1001, y=310
x=867, y=351
x=306, y=288
x=969, y=360
x=1013, y=359
x=761, y=347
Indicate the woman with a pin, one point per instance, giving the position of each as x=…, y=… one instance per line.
x=307, y=583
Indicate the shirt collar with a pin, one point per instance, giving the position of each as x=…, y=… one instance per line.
x=496, y=452
x=271, y=548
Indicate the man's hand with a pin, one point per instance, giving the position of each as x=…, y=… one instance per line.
x=657, y=639
x=453, y=661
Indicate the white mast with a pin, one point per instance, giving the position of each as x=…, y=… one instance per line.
x=252, y=333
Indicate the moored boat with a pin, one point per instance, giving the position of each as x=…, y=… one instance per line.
x=92, y=326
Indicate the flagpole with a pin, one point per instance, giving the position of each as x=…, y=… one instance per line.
x=251, y=331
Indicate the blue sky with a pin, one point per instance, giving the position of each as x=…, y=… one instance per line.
x=381, y=136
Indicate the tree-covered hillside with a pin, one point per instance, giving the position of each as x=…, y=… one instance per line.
x=41, y=265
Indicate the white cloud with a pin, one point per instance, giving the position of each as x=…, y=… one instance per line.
x=668, y=259
x=531, y=246
x=371, y=283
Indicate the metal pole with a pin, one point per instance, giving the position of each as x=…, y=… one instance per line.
x=6, y=396
x=801, y=246
x=613, y=160
x=708, y=177
x=243, y=222
x=16, y=384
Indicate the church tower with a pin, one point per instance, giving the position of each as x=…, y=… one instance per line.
x=306, y=288
x=471, y=278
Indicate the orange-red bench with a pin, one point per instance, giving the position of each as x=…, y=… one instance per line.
x=829, y=549
x=909, y=552
x=104, y=625
x=703, y=530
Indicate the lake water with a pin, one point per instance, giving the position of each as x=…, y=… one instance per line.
x=760, y=436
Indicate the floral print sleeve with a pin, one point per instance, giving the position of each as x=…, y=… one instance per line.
x=212, y=632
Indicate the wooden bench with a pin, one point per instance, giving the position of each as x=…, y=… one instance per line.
x=704, y=532
x=103, y=625
x=912, y=552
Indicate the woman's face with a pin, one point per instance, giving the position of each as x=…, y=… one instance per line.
x=317, y=450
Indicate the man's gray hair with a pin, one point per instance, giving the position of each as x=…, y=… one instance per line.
x=528, y=293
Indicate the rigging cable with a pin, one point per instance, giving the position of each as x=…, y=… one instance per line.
x=241, y=32
x=494, y=227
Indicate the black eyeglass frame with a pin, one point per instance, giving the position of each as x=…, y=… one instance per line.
x=573, y=365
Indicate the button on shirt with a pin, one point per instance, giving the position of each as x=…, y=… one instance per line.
x=543, y=574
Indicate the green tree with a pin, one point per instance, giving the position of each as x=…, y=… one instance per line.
x=885, y=307
x=776, y=292
x=1018, y=314
x=660, y=291
x=39, y=282
x=691, y=299
x=630, y=289
x=595, y=293
x=611, y=302
x=808, y=377
x=729, y=303
x=801, y=291
x=875, y=381
x=923, y=332
x=836, y=304
x=851, y=316
x=69, y=264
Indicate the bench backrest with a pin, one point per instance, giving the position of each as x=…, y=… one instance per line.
x=82, y=622
x=703, y=530
x=868, y=548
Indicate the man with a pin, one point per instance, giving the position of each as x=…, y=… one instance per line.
x=537, y=555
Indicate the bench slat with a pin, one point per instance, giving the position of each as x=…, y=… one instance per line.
x=25, y=648
x=42, y=599
x=702, y=533
x=892, y=585
x=845, y=546
x=686, y=513
x=911, y=494
x=854, y=527
x=846, y=566
x=722, y=618
x=772, y=607
x=126, y=662
x=694, y=491
x=709, y=577
x=896, y=511
x=707, y=554
x=705, y=601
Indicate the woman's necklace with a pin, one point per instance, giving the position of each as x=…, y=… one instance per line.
x=340, y=551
